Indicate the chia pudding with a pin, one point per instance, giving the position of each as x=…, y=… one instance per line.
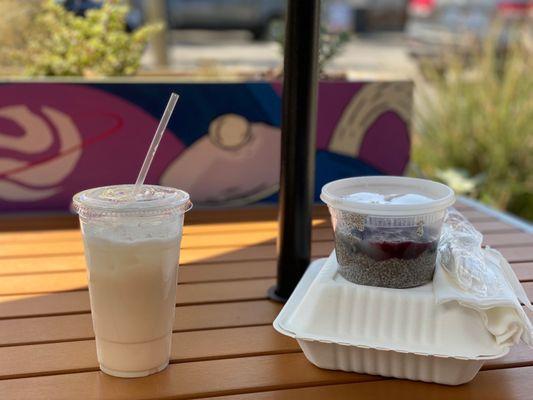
x=397, y=258
x=387, y=237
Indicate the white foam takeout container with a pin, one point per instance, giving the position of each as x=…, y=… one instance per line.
x=399, y=333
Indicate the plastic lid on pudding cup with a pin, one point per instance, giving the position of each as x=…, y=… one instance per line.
x=152, y=200
x=431, y=196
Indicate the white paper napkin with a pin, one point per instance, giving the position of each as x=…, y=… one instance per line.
x=483, y=280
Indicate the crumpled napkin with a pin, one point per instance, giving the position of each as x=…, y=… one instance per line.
x=481, y=279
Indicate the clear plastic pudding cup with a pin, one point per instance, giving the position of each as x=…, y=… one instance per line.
x=387, y=228
x=132, y=249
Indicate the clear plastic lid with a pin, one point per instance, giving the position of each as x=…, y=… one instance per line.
x=117, y=200
x=394, y=196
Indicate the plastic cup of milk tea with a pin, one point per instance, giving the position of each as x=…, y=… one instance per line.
x=387, y=228
x=132, y=248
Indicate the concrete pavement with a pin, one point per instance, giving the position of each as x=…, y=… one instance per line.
x=226, y=53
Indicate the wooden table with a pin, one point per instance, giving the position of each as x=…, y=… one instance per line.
x=224, y=344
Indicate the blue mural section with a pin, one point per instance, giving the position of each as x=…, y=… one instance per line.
x=199, y=104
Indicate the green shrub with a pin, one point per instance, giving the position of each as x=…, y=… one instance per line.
x=475, y=127
x=63, y=44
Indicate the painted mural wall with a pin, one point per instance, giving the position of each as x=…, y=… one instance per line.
x=222, y=144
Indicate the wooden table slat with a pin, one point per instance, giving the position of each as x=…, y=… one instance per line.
x=229, y=226
x=519, y=253
x=77, y=279
x=78, y=301
x=510, y=239
x=493, y=226
x=74, y=246
x=182, y=380
x=188, y=256
x=197, y=293
x=55, y=358
x=524, y=271
x=503, y=384
x=79, y=326
x=24, y=284
x=58, y=281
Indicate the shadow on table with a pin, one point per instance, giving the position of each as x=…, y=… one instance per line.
x=208, y=274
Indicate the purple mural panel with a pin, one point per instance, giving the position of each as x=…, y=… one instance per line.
x=223, y=144
x=385, y=146
x=57, y=139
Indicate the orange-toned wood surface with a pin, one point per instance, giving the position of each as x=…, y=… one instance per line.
x=224, y=346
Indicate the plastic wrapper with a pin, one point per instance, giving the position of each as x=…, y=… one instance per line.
x=463, y=258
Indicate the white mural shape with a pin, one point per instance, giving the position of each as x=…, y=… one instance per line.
x=37, y=136
x=41, y=180
x=365, y=108
x=237, y=163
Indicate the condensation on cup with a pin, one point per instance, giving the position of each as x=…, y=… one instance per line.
x=132, y=247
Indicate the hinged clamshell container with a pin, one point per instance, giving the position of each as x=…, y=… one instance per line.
x=399, y=333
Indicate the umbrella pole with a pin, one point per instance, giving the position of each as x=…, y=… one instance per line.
x=298, y=144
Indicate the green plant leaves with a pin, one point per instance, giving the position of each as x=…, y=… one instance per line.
x=477, y=118
x=59, y=43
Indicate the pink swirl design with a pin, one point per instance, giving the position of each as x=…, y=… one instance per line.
x=41, y=178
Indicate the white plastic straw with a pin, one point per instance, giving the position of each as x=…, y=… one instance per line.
x=155, y=143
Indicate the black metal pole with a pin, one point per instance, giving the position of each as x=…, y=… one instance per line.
x=298, y=144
